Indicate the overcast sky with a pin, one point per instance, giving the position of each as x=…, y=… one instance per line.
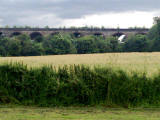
x=59, y=13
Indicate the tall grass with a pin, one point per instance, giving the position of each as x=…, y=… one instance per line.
x=148, y=62
x=76, y=85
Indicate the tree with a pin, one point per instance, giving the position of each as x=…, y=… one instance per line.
x=154, y=35
x=37, y=49
x=27, y=45
x=4, y=46
x=103, y=44
x=47, y=27
x=58, y=44
x=14, y=47
x=114, y=44
x=39, y=39
x=86, y=44
x=138, y=43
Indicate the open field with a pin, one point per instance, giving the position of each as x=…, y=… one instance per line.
x=141, y=62
x=77, y=114
x=126, y=87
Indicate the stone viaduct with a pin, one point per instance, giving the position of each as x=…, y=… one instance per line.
x=33, y=32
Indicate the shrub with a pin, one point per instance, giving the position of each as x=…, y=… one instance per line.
x=76, y=85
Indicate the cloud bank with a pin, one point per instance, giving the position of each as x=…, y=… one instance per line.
x=62, y=12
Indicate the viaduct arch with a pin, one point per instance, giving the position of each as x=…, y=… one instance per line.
x=33, y=32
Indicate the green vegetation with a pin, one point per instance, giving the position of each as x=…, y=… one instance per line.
x=60, y=43
x=77, y=113
x=77, y=85
x=23, y=45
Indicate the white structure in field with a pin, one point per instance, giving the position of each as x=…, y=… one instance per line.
x=121, y=38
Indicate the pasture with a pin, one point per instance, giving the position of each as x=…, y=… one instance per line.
x=139, y=62
x=74, y=113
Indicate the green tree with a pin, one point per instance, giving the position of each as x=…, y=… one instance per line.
x=86, y=44
x=103, y=44
x=58, y=44
x=14, y=47
x=27, y=45
x=154, y=35
x=37, y=49
x=114, y=44
x=138, y=43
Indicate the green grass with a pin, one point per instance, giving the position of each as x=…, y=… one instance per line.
x=76, y=113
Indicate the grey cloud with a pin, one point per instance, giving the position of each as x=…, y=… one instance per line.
x=79, y=7
x=12, y=10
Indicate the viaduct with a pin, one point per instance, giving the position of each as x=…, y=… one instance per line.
x=34, y=32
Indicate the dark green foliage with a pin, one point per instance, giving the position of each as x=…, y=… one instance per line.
x=96, y=44
x=86, y=44
x=154, y=37
x=76, y=85
x=138, y=43
x=60, y=43
x=22, y=45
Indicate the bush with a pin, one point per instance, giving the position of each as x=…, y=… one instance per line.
x=76, y=85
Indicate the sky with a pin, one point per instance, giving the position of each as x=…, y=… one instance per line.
x=79, y=13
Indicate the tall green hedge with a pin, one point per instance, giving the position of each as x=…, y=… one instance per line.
x=76, y=85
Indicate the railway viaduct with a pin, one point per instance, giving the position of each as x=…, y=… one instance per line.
x=33, y=32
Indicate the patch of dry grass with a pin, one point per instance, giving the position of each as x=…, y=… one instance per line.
x=141, y=62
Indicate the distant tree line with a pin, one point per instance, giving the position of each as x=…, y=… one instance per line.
x=23, y=45
x=72, y=27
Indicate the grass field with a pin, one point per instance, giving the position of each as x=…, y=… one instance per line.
x=19, y=113
x=141, y=62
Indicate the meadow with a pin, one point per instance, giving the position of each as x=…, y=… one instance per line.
x=139, y=62
x=77, y=113
x=94, y=84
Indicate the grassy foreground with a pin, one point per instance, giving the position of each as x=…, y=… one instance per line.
x=141, y=62
x=19, y=113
